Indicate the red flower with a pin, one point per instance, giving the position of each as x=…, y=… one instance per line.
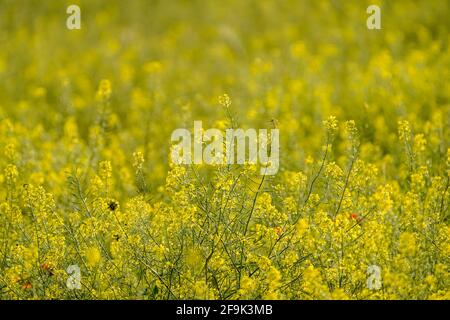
x=356, y=217
x=47, y=268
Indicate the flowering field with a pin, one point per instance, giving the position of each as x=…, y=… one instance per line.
x=92, y=207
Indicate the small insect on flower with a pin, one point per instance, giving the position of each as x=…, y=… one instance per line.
x=113, y=205
x=27, y=285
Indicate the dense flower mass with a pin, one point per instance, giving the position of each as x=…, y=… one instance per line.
x=359, y=208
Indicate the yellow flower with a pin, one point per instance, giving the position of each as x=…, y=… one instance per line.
x=138, y=157
x=11, y=173
x=302, y=226
x=331, y=124
x=104, y=90
x=105, y=170
x=10, y=151
x=93, y=256
x=153, y=67
x=309, y=160
x=194, y=258
x=419, y=142
x=407, y=244
x=404, y=130
x=248, y=286
x=273, y=277
x=225, y=100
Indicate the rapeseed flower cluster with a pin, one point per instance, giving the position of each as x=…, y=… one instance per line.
x=85, y=177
